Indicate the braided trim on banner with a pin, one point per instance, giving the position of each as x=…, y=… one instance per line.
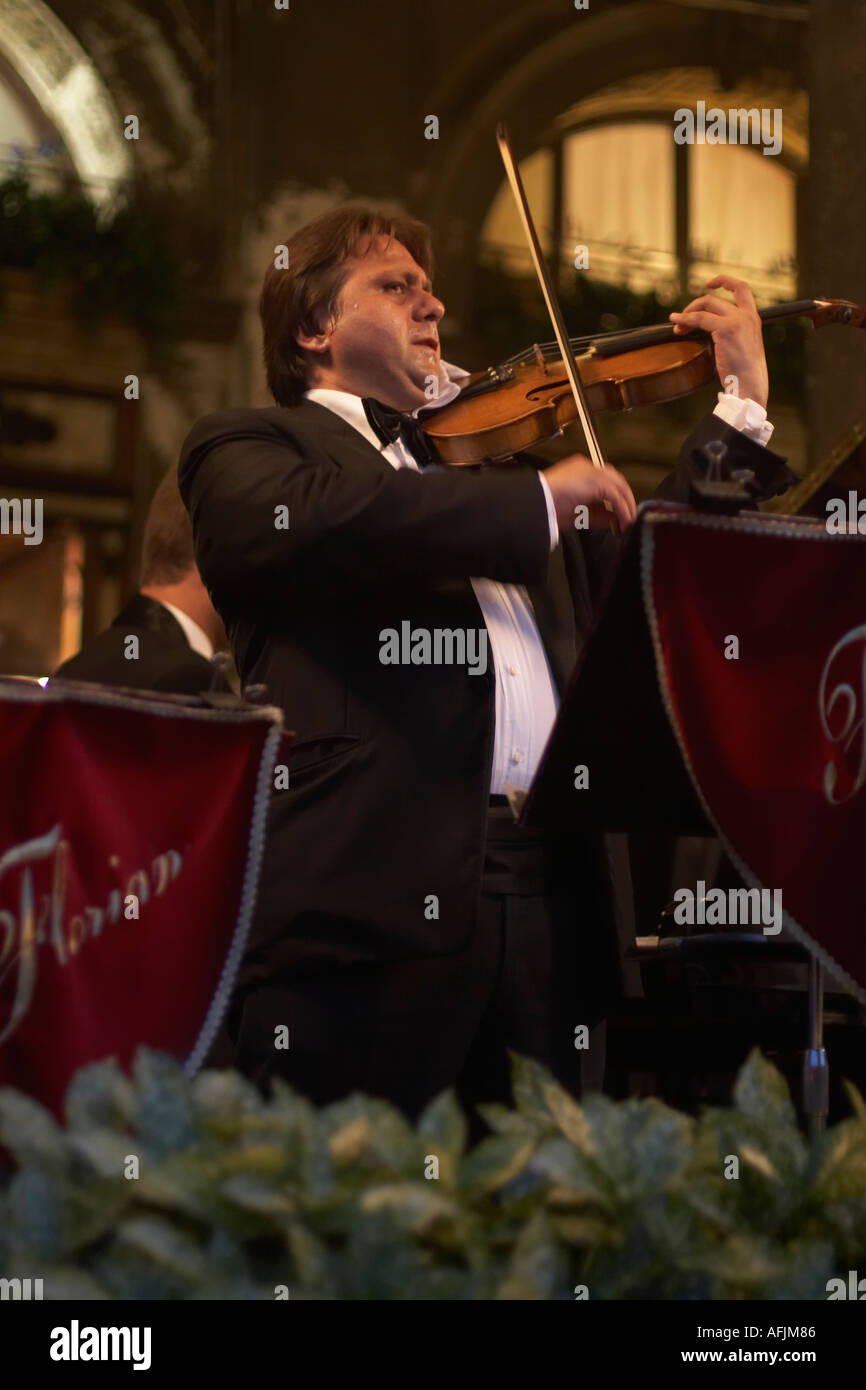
x=255, y=851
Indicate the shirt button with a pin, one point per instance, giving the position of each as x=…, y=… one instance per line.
x=517, y=756
x=513, y=670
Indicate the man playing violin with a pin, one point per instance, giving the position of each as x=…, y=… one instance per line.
x=417, y=624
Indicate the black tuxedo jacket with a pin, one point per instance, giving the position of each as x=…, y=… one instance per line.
x=165, y=659
x=376, y=848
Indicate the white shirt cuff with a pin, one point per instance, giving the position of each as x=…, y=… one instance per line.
x=746, y=416
x=551, y=512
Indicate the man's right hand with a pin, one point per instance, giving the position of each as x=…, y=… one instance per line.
x=575, y=482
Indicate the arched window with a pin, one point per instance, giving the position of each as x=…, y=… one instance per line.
x=54, y=107
x=20, y=124
x=29, y=143
x=654, y=214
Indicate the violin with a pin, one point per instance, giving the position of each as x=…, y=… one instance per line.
x=529, y=399
x=532, y=397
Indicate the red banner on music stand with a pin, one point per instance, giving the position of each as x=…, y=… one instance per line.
x=131, y=836
x=758, y=625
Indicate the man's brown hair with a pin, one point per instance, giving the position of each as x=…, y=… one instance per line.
x=167, y=553
x=293, y=299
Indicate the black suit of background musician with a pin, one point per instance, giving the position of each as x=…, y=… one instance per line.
x=165, y=660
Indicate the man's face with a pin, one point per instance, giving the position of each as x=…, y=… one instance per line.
x=385, y=340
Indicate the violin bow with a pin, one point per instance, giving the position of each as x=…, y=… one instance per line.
x=550, y=299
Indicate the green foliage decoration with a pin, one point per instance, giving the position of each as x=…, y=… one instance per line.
x=237, y=1196
x=119, y=264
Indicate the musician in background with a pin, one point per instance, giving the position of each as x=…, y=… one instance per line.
x=407, y=933
x=176, y=627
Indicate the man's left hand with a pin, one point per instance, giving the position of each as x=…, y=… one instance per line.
x=738, y=339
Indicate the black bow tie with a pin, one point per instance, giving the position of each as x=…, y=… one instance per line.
x=389, y=425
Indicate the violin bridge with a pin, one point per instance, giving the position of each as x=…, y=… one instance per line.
x=539, y=358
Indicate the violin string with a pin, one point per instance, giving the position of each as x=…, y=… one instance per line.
x=799, y=307
x=578, y=344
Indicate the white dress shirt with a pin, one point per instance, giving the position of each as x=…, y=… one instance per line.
x=526, y=696
x=198, y=640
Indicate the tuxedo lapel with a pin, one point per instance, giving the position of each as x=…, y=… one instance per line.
x=343, y=435
x=552, y=602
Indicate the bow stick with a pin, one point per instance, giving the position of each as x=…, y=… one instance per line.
x=553, y=309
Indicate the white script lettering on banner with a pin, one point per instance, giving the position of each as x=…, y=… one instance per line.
x=842, y=710
x=41, y=919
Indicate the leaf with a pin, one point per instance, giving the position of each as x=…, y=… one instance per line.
x=578, y=1218
x=307, y=1159
x=370, y=1134
x=623, y=1267
x=165, y=1244
x=841, y=1161
x=235, y=1287
x=758, y=1161
x=255, y=1158
x=558, y=1162
x=529, y=1081
x=639, y=1146
x=504, y=1121
x=769, y=1122
x=579, y=1230
x=726, y=1132
x=63, y=1283
x=36, y=1209
x=379, y=1262
x=858, y=1104
x=103, y=1150
x=843, y=1225
x=285, y=1101
x=30, y=1133
x=443, y=1129
x=744, y=1262
x=313, y=1261
x=659, y=1142
x=217, y=1095
x=184, y=1183
x=417, y=1207
x=101, y=1095
x=131, y=1275
x=569, y=1199
x=92, y=1211
x=349, y=1143
x=569, y=1117
x=539, y=1267
x=395, y=1145
x=494, y=1162
x=318, y=1171
x=716, y=1214
x=671, y=1224
x=254, y=1194
x=225, y=1253
x=807, y=1268
x=761, y=1091
x=165, y=1118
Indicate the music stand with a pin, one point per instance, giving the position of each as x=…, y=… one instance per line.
x=612, y=722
